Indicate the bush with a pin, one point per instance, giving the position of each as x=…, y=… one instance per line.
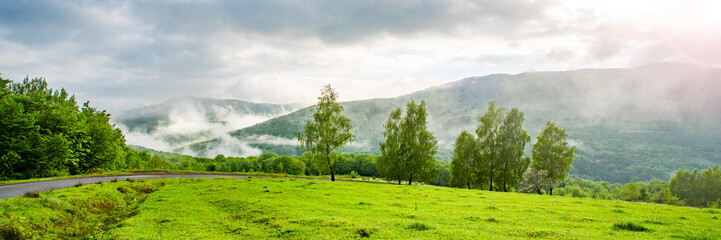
x=32, y=194
x=630, y=227
x=354, y=174
x=9, y=232
x=418, y=226
x=715, y=204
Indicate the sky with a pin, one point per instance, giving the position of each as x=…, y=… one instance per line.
x=125, y=54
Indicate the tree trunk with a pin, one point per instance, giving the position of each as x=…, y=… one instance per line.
x=550, y=191
x=490, y=184
x=332, y=174
x=410, y=180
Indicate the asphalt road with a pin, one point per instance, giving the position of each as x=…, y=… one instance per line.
x=19, y=189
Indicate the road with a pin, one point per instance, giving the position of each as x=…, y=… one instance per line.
x=19, y=189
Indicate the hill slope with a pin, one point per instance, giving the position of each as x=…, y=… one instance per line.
x=628, y=124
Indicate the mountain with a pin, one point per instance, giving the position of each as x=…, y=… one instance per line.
x=178, y=122
x=628, y=124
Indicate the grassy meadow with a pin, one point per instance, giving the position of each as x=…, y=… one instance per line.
x=261, y=208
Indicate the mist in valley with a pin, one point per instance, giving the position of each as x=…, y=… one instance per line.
x=185, y=121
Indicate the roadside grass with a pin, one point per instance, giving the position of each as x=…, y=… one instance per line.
x=82, y=212
x=273, y=208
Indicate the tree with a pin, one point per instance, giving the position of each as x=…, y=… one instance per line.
x=535, y=181
x=488, y=132
x=552, y=154
x=329, y=130
x=288, y=165
x=697, y=189
x=104, y=145
x=418, y=145
x=408, y=150
x=390, y=162
x=512, y=141
x=465, y=154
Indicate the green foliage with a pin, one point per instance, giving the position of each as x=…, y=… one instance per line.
x=496, y=157
x=408, y=150
x=488, y=132
x=390, y=163
x=552, y=154
x=465, y=155
x=444, y=174
x=513, y=140
x=697, y=189
x=289, y=165
x=715, y=204
x=329, y=129
x=44, y=134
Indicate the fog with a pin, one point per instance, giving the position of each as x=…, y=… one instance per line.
x=188, y=122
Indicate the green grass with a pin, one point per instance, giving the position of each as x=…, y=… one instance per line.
x=262, y=208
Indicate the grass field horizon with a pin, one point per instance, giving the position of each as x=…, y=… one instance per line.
x=260, y=208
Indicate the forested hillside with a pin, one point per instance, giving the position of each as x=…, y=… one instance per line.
x=628, y=124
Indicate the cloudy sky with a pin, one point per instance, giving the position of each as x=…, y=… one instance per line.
x=121, y=55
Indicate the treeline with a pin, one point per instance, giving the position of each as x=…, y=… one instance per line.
x=45, y=133
x=360, y=165
x=698, y=189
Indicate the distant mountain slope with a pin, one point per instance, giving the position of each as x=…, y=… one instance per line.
x=628, y=124
x=178, y=122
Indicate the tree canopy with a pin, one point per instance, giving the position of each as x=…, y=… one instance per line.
x=329, y=129
x=552, y=154
x=43, y=133
x=408, y=150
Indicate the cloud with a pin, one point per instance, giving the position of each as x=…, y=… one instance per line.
x=121, y=55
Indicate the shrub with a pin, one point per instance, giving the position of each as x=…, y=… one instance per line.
x=354, y=174
x=715, y=204
x=630, y=227
x=32, y=194
x=10, y=232
x=418, y=226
